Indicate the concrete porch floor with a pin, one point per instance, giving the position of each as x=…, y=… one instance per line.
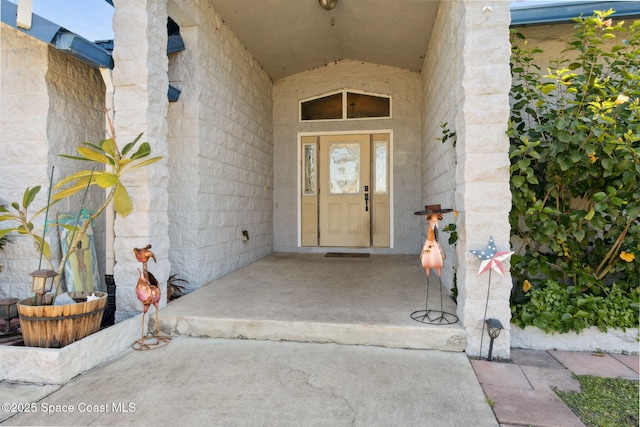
x=313, y=298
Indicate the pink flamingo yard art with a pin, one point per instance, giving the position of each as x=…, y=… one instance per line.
x=432, y=255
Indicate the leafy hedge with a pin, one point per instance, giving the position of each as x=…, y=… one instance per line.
x=556, y=308
x=575, y=167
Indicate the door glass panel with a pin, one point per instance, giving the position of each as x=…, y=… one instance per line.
x=309, y=169
x=381, y=153
x=344, y=168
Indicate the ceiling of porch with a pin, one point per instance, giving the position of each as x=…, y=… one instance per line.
x=287, y=37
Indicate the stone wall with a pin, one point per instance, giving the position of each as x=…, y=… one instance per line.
x=404, y=88
x=76, y=115
x=470, y=93
x=140, y=104
x=49, y=104
x=483, y=195
x=221, y=150
x=441, y=96
x=24, y=130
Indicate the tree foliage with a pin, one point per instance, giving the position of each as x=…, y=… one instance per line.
x=575, y=159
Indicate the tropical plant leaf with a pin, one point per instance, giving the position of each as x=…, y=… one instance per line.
x=109, y=147
x=80, y=184
x=29, y=195
x=6, y=231
x=121, y=201
x=85, y=174
x=130, y=145
x=42, y=244
x=94, y=156
x=143, y=151
x=146, y=162
x=107, y=179
x=67, y=156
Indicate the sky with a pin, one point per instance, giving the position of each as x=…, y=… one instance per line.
x=92, y=18
x=89, y=18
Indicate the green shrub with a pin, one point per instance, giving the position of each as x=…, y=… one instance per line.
x=553, y=307
x=574, y=136
x=575, y=161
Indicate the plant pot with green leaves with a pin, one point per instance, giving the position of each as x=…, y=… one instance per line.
x=45, y=320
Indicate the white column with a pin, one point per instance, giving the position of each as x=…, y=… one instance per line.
x=140, y=103
x=483, y=196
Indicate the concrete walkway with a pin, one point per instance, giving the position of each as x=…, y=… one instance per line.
x=222, y=382
x=205, y=377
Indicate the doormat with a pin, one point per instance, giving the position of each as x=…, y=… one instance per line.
x=345, y=255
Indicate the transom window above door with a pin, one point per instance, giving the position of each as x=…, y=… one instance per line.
x=346, y=105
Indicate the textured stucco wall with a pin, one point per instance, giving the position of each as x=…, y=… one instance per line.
x=221, y=142
x=404, y=87
x=49, y=104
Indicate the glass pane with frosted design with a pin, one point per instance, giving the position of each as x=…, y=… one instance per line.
x=381, y=150
x=309, y=169
x=344, y=168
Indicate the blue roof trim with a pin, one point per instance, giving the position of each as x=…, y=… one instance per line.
x=96, y=55
x=84, y=50
x=41, y=29
x=59, y=37
x=566, y=11
x=173, y=93
x=175, y=44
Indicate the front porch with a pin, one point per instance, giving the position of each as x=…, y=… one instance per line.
x=313, y=298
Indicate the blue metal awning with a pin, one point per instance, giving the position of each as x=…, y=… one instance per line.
x=59, y=37
x=565, y=11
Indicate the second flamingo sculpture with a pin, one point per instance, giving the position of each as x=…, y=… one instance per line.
x=149, y=294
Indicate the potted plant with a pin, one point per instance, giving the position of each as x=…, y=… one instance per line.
x=44, y=323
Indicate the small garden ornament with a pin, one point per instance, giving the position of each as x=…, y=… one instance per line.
x=492, y=259
x=432, y=257
x=149, y=294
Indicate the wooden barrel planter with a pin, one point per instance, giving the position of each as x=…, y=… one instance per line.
x=55, y=326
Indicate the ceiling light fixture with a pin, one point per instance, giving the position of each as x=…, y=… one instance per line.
x=327, y=4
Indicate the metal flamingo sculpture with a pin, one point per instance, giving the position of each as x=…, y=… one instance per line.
x=432, y=255
x=147, y=288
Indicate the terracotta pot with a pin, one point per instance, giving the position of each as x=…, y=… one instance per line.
x=55, y=326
